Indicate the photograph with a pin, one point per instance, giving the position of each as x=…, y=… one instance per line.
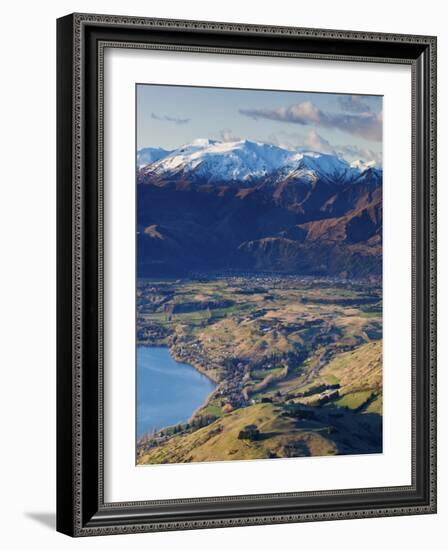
x=259, y=270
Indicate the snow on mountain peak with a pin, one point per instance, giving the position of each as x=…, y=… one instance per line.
x=222, y=161
x=216, y=161
x=363, y=165
x=147, y=155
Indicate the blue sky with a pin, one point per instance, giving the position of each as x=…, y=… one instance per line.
x=349, y=125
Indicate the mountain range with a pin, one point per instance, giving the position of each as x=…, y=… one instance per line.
x=212, y=206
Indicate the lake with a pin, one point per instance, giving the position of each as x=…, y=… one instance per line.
x=168, y=392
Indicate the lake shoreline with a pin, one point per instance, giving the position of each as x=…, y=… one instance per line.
x=197, y=368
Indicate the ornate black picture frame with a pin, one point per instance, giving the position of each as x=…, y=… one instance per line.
x=81, y=509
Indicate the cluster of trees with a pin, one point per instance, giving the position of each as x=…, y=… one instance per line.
x=201, y=421
x=295, y=448
x=250, y=432
x=318, y=389
x=196, y=423
x=300, y=412
x=230, y=363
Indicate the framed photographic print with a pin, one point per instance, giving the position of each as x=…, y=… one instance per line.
x=246, y=274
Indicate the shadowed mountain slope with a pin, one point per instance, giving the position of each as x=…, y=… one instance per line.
x=211, y=206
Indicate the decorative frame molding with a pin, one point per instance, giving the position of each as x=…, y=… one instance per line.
x=81, y=42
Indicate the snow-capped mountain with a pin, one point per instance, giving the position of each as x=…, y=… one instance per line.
x=363, y=165
x=251, y=206
x=212, y=161
x=147, y=155
x=313, y=166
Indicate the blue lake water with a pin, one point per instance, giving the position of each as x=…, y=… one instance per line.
x=168, y=392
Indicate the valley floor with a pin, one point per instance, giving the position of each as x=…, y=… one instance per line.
x=298, y=363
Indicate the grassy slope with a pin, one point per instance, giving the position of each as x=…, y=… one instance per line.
x=210, y=444
x=359, y=374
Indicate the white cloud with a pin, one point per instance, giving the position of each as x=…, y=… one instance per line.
x=226, y=134
x=313, y=141
x=317, y=143
x=167, y=118
x=364, y=124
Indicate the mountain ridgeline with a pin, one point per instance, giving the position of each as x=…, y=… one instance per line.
x=213, y=206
